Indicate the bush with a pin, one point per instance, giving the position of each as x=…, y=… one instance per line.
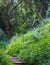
x=3, y=39
x=14, y=47
x=2, y=45
x=4, y=42
x=4, y=59
x=33, y=47
x=37, y=54
x=19, y=43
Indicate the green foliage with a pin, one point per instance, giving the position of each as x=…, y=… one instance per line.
x=4, y=59
x=48, y=11
x=18, y=43
x=1, y=2
x=33, y=47
x=26, y=16
x=3, y=40
x=23, y=14
x=37, y=54
x=14, y=48
x=4, y=43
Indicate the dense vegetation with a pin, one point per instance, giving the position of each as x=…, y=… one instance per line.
x=25, y=31
x=4, y=59
x=31, y=46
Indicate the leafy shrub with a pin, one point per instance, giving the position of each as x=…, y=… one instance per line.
x=33, y=47
x=15, y=46
x=2, y=45
x=19, y=43
x=3, y=41
x=4, y=59
x=42, y=32
x=37, y=54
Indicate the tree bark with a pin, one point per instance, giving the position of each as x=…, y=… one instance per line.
x=7, y=26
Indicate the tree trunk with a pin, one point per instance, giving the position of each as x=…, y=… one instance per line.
x=7, y=26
